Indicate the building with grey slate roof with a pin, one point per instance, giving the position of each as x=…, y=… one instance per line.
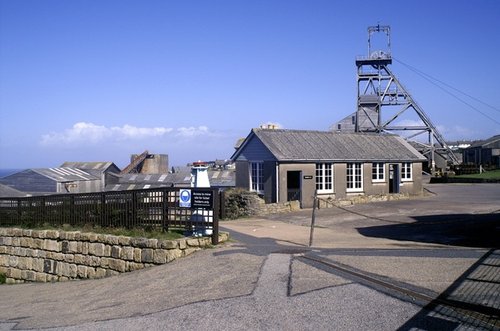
x=284, y=165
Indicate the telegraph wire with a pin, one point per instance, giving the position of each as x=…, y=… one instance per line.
x=433, y=81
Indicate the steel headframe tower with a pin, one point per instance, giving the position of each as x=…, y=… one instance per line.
x=378, y=89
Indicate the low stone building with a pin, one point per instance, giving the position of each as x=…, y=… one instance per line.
x=286, y=165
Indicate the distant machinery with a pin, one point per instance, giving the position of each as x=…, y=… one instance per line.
x=378, y=90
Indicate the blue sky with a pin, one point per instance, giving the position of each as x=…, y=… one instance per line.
x=100, y=80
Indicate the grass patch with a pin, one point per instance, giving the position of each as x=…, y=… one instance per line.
x=150, y=233
x=492, y=174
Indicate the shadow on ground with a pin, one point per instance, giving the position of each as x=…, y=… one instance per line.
x=473, y=300
x=468, y=230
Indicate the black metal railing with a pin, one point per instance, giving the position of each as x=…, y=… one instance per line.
x=148, y=208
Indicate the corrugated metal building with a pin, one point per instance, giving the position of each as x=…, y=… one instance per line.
x=53, y=180
x=180, y=178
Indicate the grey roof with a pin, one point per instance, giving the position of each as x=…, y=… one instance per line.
x=64, y=174
x=9, y=192
x=96, y=166
x=493, y=142
x=310, y=146
x=182, y=178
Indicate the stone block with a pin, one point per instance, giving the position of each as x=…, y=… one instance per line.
x=38, y=243
x=52, y=245
x=57, y=256
x=139, y=242
x=62, y=269
x=82, y=271
x=40, y=277
x=173, y=254
x=90, y=272
x=69, y=246
x=52, y=234
x=25, y=263
x=81, y=259
x=49, y=266
x=182, y=243
x=118, y=265
x=52, y=278
x=100, y=273
x=85, y=236
x=37, y=264
x=17, y=232
x=16, y=241
x=96, y=249
x=127, y=253
x=92, y=237
x=152, y=243
x=147, y=255
x=38, y=234
x=28, y=275
x=84, y=248
x=14, y=273
x=116, y=252
x=26, y=242
x=168, y=244
x=137, y=254
x=13, y=261
x=73, y=271
x=6, y=241
x=132, y=266
x=4, y=260
x=69, y=258
x=3, y=232
x=3, y=249
x=111, y=240
x=94, y=261
x=160, y=256
x=124, y=241
x=104, y=262
x=193, y=242
x=107, y=250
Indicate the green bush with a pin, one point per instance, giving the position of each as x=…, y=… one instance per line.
x=3, y=278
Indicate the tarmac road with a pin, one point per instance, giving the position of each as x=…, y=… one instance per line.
x=268, y=278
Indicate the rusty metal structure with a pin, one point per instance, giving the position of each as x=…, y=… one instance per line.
x=382, y=101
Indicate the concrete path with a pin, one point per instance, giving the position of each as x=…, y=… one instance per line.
x=267, y=278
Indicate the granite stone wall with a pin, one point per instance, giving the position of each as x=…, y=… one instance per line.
x=52, y=255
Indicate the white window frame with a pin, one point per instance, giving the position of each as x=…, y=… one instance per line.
x=256, y=174
x=406, y=172
x=378, y=171
x=324, y=178
x=354, y=175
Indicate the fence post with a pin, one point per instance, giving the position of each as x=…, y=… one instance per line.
x=215, y=220
x=313, y=218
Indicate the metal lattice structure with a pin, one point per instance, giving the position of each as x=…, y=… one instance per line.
x=379, y=89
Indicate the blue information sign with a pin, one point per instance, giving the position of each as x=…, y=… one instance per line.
x=185, y=198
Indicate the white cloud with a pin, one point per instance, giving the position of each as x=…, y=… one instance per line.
x=192, y=131
x=85, y=133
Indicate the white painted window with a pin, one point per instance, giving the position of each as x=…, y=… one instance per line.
x=406, y=172
x=324, y=178
x=257, y=177
x=378, y=172
x=354, y=177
